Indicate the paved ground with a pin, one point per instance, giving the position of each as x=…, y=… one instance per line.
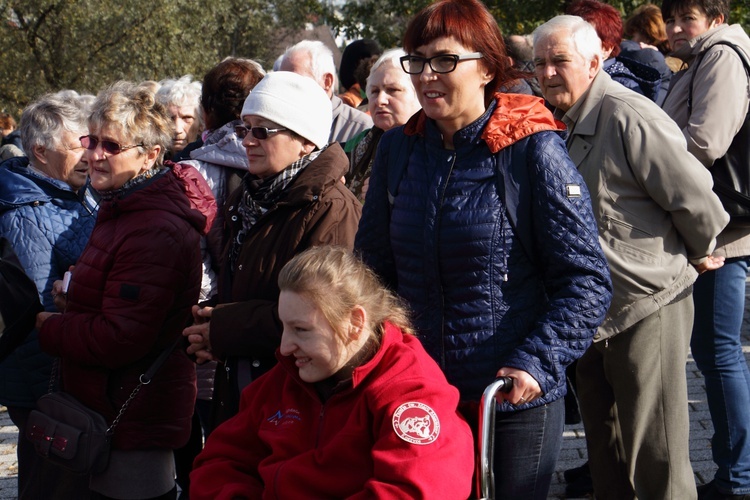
x=574, y=446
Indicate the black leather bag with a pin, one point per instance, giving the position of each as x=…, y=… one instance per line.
x=69, y=434
x=731, y=173
x=73, y=436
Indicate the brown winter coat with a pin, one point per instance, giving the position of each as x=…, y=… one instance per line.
x=317, y=209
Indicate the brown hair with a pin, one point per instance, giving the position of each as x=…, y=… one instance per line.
x=646, y=20
x=225, y=88
x=7, y=121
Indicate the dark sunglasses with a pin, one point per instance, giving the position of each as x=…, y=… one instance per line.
x=91, y=141
x=260, y=133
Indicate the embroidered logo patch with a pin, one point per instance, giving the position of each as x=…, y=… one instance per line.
x=286, y=417
x=416, y=423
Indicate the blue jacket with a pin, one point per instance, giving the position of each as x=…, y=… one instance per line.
x=480, y=298
x=48, y=225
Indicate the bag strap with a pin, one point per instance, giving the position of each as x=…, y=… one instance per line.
x=739, y=52
x=509, y=184
x=144, y=379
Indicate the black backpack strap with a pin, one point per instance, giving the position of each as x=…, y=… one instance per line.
x=399, y=151
x=514, y=185
x=743, y=57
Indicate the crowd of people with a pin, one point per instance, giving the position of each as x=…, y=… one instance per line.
x=335, y=264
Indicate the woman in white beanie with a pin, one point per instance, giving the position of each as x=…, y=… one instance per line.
x=291, y=199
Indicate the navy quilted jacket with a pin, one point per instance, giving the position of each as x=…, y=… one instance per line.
x=446, y=245
x=48, y=226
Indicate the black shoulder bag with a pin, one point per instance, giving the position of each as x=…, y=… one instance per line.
x=731, y=172
x=71, y=435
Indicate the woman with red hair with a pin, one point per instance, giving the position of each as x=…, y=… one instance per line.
x=633, y=74
x=478, y=218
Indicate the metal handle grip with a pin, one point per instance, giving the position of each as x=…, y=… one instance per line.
x=485, y=478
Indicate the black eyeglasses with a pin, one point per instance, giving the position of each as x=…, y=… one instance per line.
x=443, y=63
x=260, y=133
x=91, y=141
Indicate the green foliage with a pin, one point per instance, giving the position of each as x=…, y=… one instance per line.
x=50, y=45
x=85, y=45
x=386, y=20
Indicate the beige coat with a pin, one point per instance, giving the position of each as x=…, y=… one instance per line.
x=652, y=199
x=721, y=96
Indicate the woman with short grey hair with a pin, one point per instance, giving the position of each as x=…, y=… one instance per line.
x=47, y=211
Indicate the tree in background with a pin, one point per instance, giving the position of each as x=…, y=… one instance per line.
x=49, y=45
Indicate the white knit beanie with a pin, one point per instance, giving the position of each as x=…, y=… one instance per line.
x=293, y=101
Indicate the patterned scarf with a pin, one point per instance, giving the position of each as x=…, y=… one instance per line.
x=132, y=184
x=260, y=195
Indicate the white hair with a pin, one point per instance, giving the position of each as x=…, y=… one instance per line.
x=44, y=120
x=321, y=59
x=392, y=57
x=585, y=39
x=181, y=92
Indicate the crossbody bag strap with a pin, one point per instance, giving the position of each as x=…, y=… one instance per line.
x=144, y=379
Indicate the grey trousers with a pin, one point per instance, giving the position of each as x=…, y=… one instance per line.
x=632, y=392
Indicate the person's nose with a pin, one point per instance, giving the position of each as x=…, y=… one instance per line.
x=548, y=71
x=427, y=74
x=381, y=99
x=249, y=140
x=287, y=347
x=96, y=154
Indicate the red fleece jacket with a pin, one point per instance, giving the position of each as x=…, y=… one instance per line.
x=394, y=432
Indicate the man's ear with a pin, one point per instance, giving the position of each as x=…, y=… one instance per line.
x=716, y=21
x=595, y=65
x=328, y=80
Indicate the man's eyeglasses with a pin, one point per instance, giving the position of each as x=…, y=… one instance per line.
x=444, y=63
x=91, y=141
x=260, y=133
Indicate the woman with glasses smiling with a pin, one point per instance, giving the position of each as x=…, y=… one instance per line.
x=291, y=199
x=131, y=292
x=477, y=217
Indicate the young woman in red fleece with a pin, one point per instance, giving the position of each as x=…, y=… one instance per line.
x=355, y=408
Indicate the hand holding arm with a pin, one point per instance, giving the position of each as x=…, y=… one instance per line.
x=198, y=334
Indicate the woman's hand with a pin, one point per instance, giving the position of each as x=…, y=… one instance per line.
x=59, y=297
x=42, y=317
x=525, y=387
x=198, y=334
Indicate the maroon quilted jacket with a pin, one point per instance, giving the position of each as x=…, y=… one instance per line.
x=129, y=299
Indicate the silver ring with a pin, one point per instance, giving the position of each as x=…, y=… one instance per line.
x=522, y=400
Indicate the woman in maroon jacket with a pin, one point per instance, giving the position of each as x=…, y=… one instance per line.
x=355, y=408
x=131, y=292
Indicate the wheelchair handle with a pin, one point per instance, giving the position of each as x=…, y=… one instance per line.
x=485, y=478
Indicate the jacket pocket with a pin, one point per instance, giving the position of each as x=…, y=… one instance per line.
x=630, y=241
